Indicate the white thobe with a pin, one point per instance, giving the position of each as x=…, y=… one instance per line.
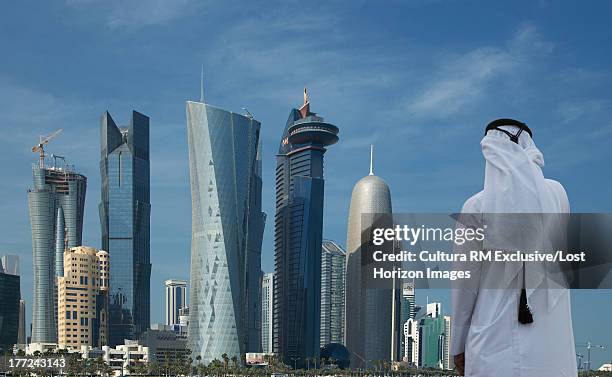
x=485, y=324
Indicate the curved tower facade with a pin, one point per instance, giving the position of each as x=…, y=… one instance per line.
x=298, y=230
x=369, y=312
x=57, y=203
x=227, y=231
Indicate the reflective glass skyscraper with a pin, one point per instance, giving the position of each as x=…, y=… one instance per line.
x=227, y=231
x=298, y=234
x=56, y=204
x=9, y=309
x=125, y=219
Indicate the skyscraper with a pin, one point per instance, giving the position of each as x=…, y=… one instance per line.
x=176, y=299
x=298, y=231
x=447, y=360
x=406, y=313
x=369, y=311
x=267, y=301
x=125, y=219
x=56, y=204
x=227, y=231
x=83, y=298
x=21, y=333
x=9, y=310
x=432, y=339
x=333, y=260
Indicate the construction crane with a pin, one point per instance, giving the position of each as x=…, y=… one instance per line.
x=40, y=147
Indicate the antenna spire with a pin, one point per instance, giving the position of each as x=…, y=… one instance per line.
x=371, y=159
x=202, y=85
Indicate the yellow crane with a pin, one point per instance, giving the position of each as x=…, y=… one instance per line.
x=40, y=147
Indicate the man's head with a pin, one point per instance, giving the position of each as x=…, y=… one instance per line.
x=502, y=125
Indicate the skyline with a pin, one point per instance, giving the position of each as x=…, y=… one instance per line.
x=427, y=86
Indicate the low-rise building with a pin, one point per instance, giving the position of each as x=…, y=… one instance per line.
x=165, y=345
x=122, y=357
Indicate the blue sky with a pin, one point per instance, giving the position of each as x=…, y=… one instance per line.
x=419, y=79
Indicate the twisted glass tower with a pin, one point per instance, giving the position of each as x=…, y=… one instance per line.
x=298, y=235
x=227, y=231
x=56, y=204
x=125, y=218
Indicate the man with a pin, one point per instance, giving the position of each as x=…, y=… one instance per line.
x=511, y=319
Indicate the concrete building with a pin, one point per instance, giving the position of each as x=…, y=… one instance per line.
x=83, y=298
x=369, y=312
x=333, y=260
x=21, y=333
x=411, y=342
x=267, y=302
x=407, y=312
x=298, y=234
x=56, y=205
x=447, y=359
x=227, y=231
x=125, y=211
x=176, y=299
x=164, y=346
x=121, y=357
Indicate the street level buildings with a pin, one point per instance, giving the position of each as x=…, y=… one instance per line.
x=227, y=231
x=298, y=227
x=125, y=219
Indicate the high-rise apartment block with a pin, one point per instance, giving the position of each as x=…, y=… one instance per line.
x=176, y=299
x=83, y=298
x=333, y=260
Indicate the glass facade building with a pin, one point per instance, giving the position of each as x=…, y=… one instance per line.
x=9, y=311
x=56, y=205
x=125, y=219
x=333, y=259
x=298, y=235
x=227, y=231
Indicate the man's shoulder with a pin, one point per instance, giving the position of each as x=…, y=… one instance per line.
x=559, y=190
x=473, y=204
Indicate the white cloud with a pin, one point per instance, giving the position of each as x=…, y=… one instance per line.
x=136, y=14
x=462, y=80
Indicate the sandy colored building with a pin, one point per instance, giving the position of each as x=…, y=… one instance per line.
x=83, y=298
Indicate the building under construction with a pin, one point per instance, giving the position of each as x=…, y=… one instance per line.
x=56, y=203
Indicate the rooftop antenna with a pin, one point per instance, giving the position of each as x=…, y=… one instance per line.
x=372, y=159
x=202, y=85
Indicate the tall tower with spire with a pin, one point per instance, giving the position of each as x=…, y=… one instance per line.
x=369, y=312
x=298, y=234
